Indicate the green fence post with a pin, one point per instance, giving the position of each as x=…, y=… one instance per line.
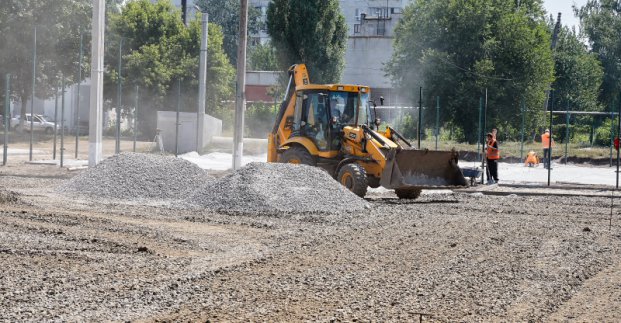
x=420, y=115
x=177, y=119
x=34, y=83
x=7, y=117
x=117, y=149
x=480, y=139
x=437, y=120
x=77, y=107
x=566, y=134
x=62, y=123
x=55, y=122
x=522, y=131
x=136, y=117
x=612, y=128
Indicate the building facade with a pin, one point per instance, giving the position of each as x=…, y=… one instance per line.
x=371, y=25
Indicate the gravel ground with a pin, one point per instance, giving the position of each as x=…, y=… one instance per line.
x=135, y=175
x=452, y=257
x=277, y=189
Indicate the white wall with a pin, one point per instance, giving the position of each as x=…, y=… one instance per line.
x=166, y=121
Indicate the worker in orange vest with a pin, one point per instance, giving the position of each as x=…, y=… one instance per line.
x=531, y=159
x=493, y=155
x=546, y=141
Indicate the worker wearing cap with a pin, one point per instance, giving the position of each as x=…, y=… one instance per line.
x=493, y=155
x=546, y=141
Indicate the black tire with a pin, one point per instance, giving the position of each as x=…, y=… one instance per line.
x=298, y=155
x=354, y=178
x=49, y=130
x=373, y=181
x=408, y=193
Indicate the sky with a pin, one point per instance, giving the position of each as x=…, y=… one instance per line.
x=564, y=7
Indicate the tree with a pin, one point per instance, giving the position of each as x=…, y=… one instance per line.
x=311, y=32
x=262, y=58
x=601, y=22
x=225, y=13
x=456, y=50
x=158, y=50
x=58, y=24
x=578, y=73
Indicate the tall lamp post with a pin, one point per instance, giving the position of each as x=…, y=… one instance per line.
x=95, y=122
x=202, y=82
x=240, y=95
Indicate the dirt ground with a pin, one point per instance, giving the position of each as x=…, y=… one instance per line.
x=444, y=257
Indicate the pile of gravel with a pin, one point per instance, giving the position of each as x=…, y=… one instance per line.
x=133, y=175
x=9, y=197
x=275, y=188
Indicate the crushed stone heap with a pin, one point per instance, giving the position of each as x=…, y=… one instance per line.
x=135, y=175
x=275, y=188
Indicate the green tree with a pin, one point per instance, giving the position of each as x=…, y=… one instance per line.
x=58, y=24
x=225, y=13
x=263, y=58
x=578, y=73
x=456, y=50
x=158, y=50
x=311, y=32
x=601, y=22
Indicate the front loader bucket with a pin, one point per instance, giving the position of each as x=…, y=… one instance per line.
x=425, y=169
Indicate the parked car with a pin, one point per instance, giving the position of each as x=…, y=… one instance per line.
x=39, y=124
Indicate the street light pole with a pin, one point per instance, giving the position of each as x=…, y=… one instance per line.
x=95, y=122
x=240, y=95
x=202, y=84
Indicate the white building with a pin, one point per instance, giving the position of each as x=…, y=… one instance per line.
x=261, y=37
x=371, y=25
x=370, y=33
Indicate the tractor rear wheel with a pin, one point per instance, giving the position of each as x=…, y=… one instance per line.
x=298, y=155
x=408, y=193
x=354, y=178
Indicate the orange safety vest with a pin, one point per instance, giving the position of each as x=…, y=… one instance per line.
x=531, y=158
x=545, y=140
x=492, y=153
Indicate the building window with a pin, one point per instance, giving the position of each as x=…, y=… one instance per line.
x=381, y=29
x=357, y=14
x=356, y=28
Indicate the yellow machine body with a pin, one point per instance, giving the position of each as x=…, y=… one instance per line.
x=330, y=126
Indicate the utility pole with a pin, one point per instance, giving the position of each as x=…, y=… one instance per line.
x=240, y=95
x=95, y=122
x=202, y=84
x=184, y=11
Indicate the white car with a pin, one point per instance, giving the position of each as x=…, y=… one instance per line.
x=40, y=123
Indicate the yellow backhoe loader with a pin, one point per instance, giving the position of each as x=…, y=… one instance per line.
x=333, y=126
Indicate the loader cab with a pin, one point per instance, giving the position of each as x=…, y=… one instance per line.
x=321, y=114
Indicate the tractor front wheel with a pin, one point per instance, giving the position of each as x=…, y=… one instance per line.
x=354, y=177
x=298, y=155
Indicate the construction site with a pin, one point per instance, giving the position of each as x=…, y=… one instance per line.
x=147, y=237
x=170, y=185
